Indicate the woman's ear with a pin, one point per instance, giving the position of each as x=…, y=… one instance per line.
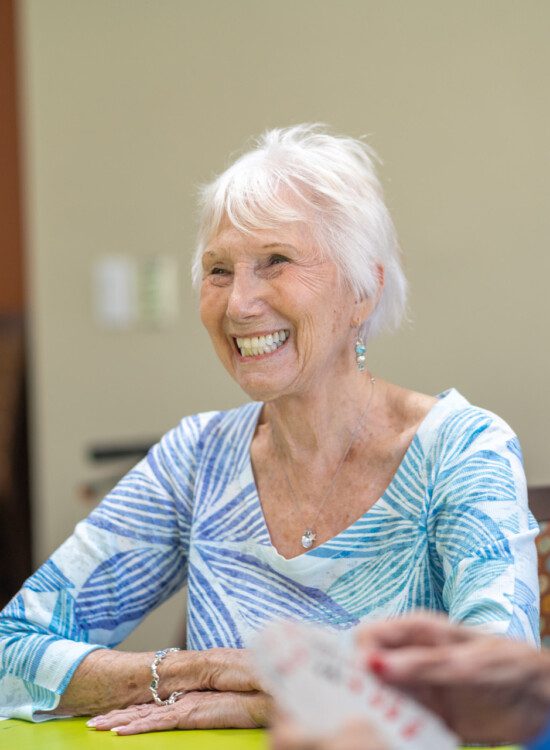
x=362, y=310
x=365, y=306
x=381, y=278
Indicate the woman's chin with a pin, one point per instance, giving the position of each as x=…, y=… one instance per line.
x=261, y=391
x=265, y=377
x=261, y=386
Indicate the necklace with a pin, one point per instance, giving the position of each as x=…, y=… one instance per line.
x=309, y=536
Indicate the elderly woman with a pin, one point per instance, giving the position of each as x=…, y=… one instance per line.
x=333, y=497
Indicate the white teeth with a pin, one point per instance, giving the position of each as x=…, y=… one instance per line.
x=252, y=347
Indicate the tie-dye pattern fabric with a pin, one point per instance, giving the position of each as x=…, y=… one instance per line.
x=451, y=532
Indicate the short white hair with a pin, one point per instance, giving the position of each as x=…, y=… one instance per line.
x=305, y=174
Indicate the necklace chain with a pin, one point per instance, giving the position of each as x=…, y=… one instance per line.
x=309, y=536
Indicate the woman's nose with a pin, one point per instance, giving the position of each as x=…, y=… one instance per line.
x=246, y=295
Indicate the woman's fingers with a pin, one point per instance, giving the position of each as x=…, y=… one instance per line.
x=123, y=715
x=158, y=721
x=194, y=710
x=126, y=716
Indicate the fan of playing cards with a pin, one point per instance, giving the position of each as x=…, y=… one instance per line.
x=315, y=676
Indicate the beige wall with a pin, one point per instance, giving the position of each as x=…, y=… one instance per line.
x=130, y=103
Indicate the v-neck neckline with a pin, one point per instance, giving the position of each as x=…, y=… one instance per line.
x=246, y=475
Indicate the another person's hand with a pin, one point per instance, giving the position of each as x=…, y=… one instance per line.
x=354, y=735
x=194, y=710
x=486, y=688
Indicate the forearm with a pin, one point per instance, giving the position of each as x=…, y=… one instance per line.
x=106, y=680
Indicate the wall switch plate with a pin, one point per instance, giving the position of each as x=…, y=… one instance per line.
x=115, y=292
x=130, y=291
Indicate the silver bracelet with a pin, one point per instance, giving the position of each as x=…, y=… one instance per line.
x=153, y=687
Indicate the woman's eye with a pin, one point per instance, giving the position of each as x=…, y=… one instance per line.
x=275, y=260
x=218, y=275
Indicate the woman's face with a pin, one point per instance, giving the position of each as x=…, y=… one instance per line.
x=278, y=314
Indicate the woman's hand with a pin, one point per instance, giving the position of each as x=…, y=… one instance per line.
x=107, y=680
x=354, y=735
x=226, y=669
x=486, y=688
x=194, y=710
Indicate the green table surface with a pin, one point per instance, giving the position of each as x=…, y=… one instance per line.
x=73, y=733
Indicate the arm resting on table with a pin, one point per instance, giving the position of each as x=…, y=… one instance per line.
x=107, y=680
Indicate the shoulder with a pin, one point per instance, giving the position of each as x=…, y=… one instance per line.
x=204, y=439
x=473, y=457
x=210, y=430
x=455, y=429
x=475, y=471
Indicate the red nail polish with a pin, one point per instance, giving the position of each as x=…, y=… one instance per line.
x=376, y=664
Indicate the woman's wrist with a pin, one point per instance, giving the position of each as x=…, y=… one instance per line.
x=223, y=669
x=211, y=669
x=182, y=671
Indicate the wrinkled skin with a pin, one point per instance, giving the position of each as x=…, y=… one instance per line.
x=273, y=280
x=194, y=710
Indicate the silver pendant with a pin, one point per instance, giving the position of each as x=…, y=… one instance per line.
x=308, y=537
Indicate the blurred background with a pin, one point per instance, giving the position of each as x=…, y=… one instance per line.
x=112, y=112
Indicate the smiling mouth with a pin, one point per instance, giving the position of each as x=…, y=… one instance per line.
x=257, y=345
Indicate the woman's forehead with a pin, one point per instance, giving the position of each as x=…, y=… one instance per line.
x=297, y=236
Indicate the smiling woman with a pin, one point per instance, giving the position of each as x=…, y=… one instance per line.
x=333, y=497
x=249, y=293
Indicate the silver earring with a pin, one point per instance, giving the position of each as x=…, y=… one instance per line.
x=360, y=352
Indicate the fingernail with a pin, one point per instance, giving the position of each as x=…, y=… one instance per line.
x=115, y=730
x=93, y=722
x=377, y=664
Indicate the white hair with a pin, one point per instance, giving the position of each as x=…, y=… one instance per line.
x=304, y=174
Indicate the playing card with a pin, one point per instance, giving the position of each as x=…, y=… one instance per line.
x=315, y=676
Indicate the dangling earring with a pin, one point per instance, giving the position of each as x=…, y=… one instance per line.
x=360, y=351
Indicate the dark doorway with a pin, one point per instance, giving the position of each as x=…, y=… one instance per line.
x=15, y=527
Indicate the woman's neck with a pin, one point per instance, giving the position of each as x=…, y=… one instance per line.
x=320, y=422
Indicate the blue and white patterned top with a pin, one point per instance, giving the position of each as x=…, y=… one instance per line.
x=451, y=532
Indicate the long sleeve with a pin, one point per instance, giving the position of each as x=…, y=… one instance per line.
x=121, y=562
x=482, y=533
